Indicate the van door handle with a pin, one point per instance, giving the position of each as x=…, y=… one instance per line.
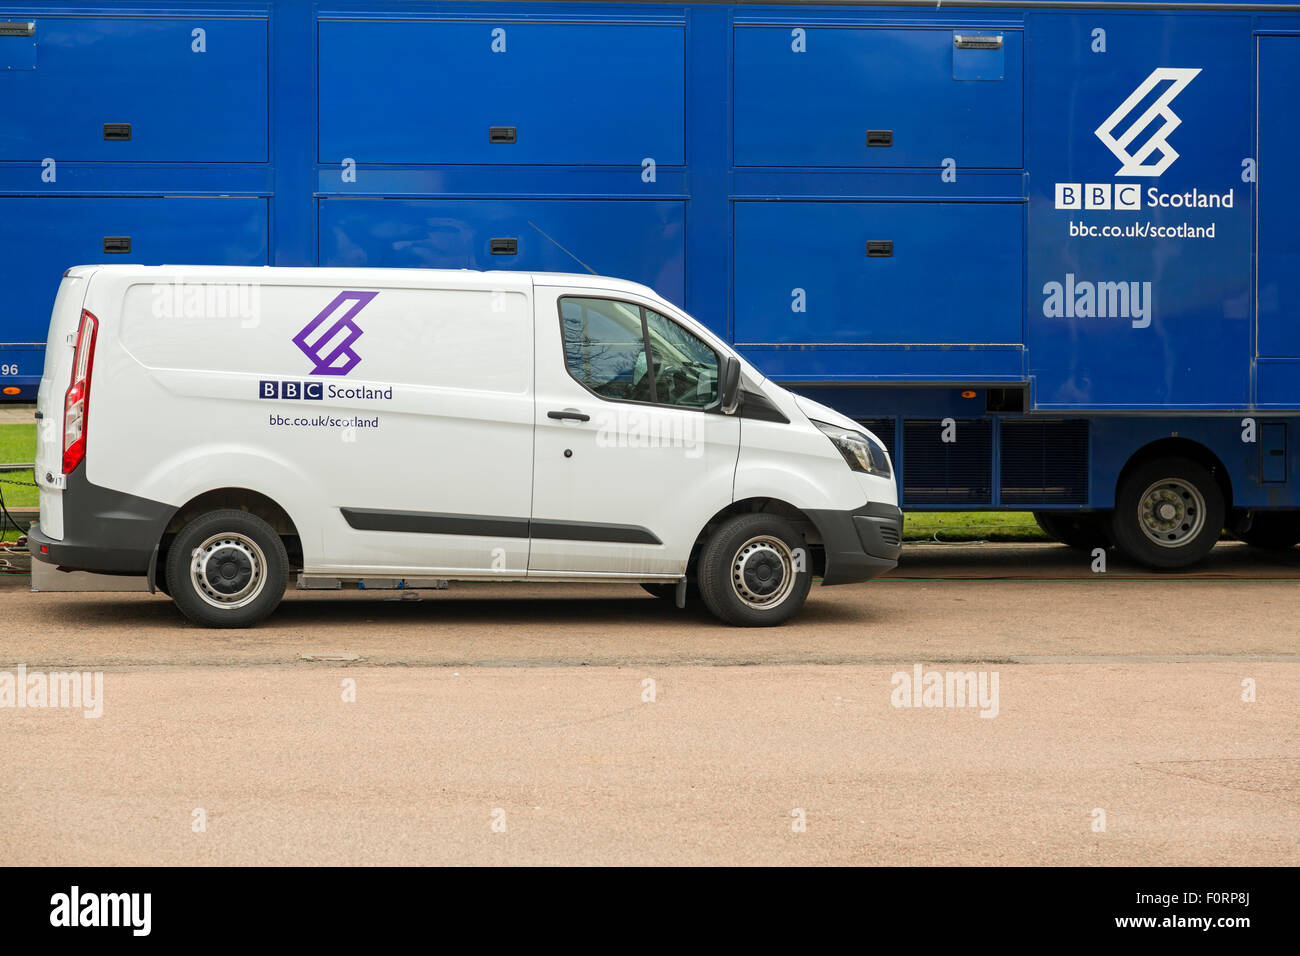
x=570, y=413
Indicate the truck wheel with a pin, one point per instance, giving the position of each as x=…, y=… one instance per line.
x=227, y=569
x=1273, y=530
x=753, y=572
x=1082, y=531
x=1168, y=513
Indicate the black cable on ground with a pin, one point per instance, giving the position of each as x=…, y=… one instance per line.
x=4, y=512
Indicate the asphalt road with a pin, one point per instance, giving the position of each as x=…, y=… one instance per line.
x=514, y=724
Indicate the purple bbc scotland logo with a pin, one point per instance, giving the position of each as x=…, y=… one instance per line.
x=331, y=350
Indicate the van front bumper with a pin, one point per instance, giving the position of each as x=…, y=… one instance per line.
x=861, y=544
x=105, y=531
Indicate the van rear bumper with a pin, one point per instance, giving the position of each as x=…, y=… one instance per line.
x=105, y=531
x=861, y=544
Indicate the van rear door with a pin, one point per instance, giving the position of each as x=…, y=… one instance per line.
x=55, y=379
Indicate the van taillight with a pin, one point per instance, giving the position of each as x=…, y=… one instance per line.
x=77, y=400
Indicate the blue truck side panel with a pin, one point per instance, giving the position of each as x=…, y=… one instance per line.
x=849, y=295
x=90, y=67
x=553, y=84
x=797, y=108
x=1068, y=231
x=1195, y=352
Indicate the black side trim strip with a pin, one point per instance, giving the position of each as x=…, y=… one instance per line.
x=593, y=531
x=425, y=522
x=485, y=526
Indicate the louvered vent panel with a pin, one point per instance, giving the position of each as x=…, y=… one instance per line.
x=937, y=472
x=1045, y=462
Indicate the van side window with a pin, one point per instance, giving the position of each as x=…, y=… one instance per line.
x=605, y=348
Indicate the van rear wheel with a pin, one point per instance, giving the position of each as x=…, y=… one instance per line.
x=754, y=572
x=227, y=569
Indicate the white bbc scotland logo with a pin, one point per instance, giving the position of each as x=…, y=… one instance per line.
x=1122, y=196
x=1127, y=196
x=1134, y=158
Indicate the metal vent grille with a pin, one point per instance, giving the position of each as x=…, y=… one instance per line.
x=882, y=428
x=937, y=472
x=1045, y=462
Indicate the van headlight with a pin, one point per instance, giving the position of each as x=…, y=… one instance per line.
x=861, y=451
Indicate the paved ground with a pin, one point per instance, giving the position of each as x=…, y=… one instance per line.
x=524, y=705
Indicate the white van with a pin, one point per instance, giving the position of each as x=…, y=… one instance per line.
x=226, y=431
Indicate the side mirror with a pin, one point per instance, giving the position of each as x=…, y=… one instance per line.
x=729, y=380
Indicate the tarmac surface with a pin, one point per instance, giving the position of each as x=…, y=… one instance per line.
x=1134, y=719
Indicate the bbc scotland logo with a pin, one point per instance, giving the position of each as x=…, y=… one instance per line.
x=1134, y=157
x=1134, y=152
x=331, y=350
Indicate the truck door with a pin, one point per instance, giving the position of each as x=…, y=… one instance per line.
x=1277, y=341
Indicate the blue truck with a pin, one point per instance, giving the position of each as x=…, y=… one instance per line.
x=1041, y=249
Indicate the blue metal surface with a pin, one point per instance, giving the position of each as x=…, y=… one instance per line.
x=598, y=94
x=1278, y=341
x=807, y=95
x=719, y=152
x=804, y=274
x=1194, y=349
x=189, y=97
x=642, y=241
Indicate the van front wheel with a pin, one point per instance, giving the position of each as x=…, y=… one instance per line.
x=227, y=569
x=754, y=572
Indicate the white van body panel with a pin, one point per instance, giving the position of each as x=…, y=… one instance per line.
x=799, y=465
x=423, y=447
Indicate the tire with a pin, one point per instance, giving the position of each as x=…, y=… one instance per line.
x=1169, y=513
x=1082, y=531
x=1273, y=530
x=248, y=580
x=748, y=571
